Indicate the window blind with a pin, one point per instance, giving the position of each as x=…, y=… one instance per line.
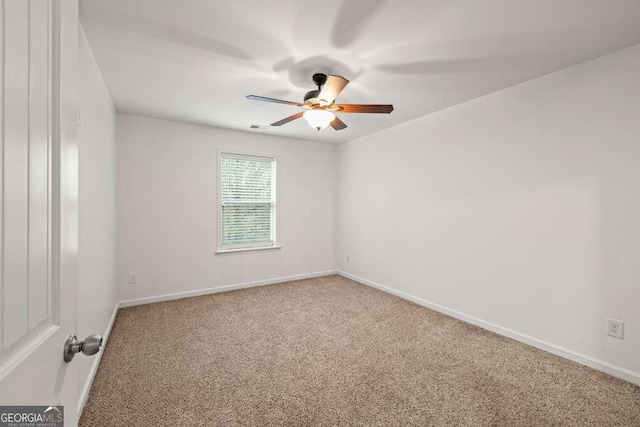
x=247, y=196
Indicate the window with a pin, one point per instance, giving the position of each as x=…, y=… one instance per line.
x=247, y=201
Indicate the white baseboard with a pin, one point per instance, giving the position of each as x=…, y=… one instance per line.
x=608, y=368
x=84, y=394
x=187, y=294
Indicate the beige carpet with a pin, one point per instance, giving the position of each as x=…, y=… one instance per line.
x=329, y=351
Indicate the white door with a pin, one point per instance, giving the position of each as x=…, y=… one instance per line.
x=38, y=202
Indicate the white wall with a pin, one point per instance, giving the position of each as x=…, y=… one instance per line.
x=167, y=208
x=521, y=208
x=97, y=198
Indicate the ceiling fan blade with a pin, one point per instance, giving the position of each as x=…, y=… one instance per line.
x=288, y=119
x=365, y=108
x=275, y=101
x=332, y=88
x=338, y=124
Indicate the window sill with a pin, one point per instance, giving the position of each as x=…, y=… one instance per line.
x=257, y=248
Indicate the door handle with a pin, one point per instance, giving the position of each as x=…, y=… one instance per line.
x=89, y=346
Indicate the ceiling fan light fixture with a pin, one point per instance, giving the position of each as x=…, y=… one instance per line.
x=320, y=104
x=319, y=119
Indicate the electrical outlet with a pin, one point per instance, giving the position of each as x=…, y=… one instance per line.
x=615, y=328
x=348, y=258
x=133, y=278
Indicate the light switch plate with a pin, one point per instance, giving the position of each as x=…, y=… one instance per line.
x=133, y=278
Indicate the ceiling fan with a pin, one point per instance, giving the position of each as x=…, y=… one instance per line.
x=321, y=106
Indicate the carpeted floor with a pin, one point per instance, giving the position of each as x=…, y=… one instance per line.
x=329, y=351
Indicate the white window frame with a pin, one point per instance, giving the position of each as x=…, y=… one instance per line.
x=243, y=247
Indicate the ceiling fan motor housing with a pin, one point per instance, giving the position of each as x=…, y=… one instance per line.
x=311, y=97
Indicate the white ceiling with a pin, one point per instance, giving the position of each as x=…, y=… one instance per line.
x=195, y=60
